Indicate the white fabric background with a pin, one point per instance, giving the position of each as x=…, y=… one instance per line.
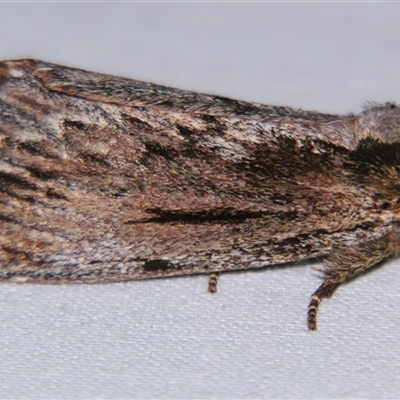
x=169, y=338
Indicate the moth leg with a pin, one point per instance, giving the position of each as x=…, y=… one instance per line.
x=345, y=263
x=324, y=291
x=212, y=281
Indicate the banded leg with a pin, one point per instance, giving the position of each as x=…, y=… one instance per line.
x=212, y=281
x=324, y=291
x=345, y=263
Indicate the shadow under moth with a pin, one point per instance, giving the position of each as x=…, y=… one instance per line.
x=107, y=179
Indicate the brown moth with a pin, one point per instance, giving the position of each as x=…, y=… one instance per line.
x=107, y=179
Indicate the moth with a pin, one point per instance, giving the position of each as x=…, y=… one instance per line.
x=108, y=179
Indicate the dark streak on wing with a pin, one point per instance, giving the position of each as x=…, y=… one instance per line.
x=213, y=216
x=157, y=265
